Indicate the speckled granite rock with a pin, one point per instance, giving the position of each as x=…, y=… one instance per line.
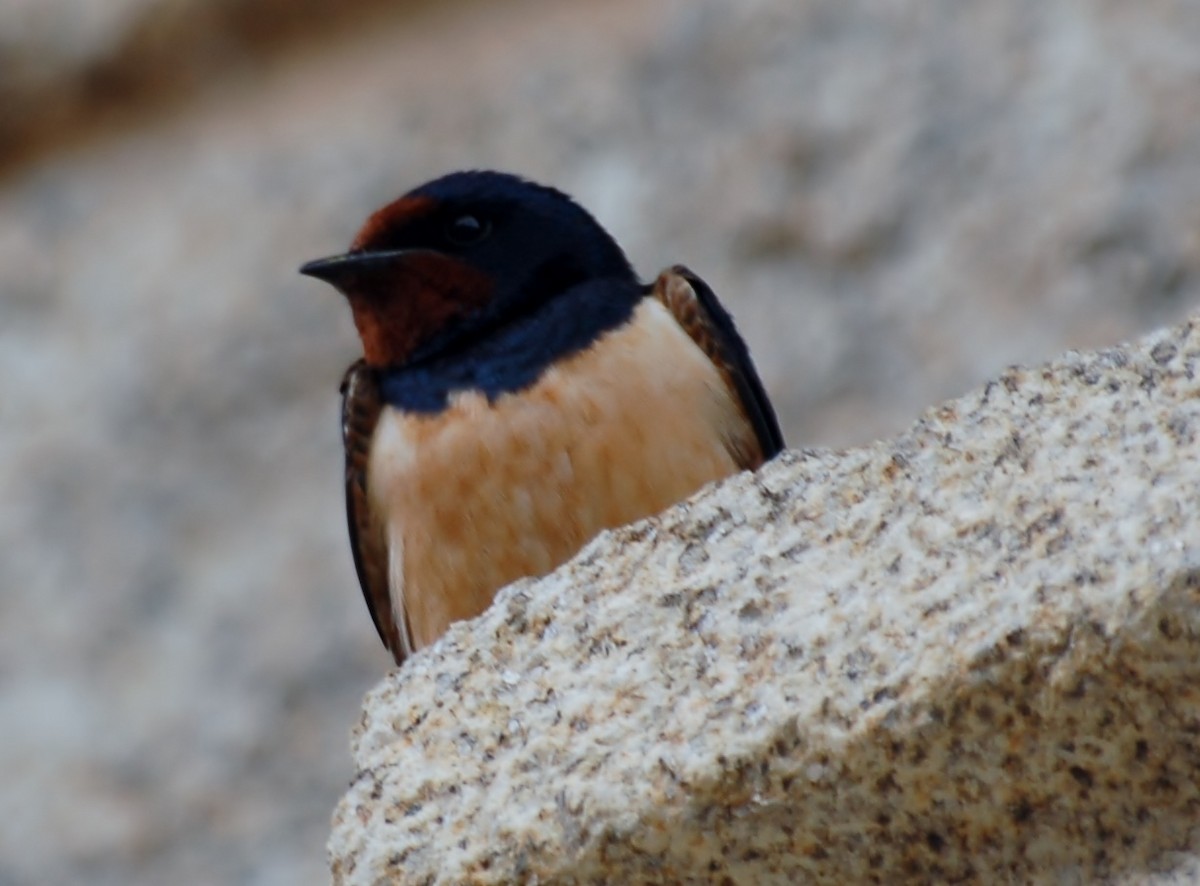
x=968, y=652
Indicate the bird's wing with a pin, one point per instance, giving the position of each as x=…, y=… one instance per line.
x=698, y=311
x=361, y=407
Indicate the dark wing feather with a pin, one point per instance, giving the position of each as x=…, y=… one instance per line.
x=698, y=311
x=361, y=406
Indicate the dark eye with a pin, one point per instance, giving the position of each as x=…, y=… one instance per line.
x=467, y=229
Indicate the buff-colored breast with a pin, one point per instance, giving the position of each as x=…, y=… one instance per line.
x=480, y=495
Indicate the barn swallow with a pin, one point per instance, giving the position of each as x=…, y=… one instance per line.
x=519, y=391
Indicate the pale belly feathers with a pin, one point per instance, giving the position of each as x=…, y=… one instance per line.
x=482, y=494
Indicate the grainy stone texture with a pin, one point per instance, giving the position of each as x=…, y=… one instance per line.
x=970, y=652
x=895, y=200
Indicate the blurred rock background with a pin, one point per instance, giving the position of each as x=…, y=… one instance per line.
x=895, y=200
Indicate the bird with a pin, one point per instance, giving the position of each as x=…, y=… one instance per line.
x=520, y=389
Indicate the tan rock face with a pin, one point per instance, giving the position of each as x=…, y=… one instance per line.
x=72, y=67
x=968, y=652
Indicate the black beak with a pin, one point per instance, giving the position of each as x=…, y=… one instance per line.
x=340, y=270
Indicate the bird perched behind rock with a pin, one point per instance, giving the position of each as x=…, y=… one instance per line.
x=520, y=390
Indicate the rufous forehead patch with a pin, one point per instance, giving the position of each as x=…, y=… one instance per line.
x=384, y=221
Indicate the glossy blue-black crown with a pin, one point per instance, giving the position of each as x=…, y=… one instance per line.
x=531, y=224
x=559, y=282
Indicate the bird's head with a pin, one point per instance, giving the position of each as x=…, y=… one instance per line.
x=461, y=255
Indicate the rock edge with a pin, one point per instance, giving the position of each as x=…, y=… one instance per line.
x=970, y=651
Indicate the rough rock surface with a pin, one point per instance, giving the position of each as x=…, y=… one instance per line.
x=970, y=652
x=895, y=200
